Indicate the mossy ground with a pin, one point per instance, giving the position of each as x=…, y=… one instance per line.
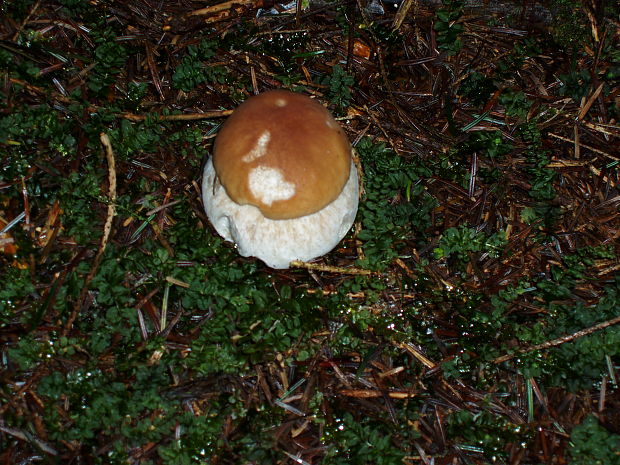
x=471, y=316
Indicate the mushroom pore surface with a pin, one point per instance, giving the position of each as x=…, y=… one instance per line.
x=283, y=153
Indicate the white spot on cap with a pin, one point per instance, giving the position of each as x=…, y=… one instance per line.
x=259, y=149
x=330, y=123
x=280, y=102
x=268, y=185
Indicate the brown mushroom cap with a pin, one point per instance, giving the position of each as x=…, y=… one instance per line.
x=283, y=153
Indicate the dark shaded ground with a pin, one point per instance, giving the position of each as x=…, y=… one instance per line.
x=471, y=316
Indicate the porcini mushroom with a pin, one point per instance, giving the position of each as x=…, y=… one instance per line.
x=281, y=183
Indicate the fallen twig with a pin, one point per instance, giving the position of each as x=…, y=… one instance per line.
x=329, y=268
x=559, y=340
x=107, y=228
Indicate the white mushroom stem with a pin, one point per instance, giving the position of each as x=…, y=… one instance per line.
x=278, y=242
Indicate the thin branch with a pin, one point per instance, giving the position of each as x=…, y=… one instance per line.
x=107, y=228
x=328, y=268
x=182, y=117
x=560, y=340
x=29, y=437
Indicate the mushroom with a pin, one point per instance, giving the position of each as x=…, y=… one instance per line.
x=281, y=183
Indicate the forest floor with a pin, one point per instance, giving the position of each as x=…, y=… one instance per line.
x=471, y=316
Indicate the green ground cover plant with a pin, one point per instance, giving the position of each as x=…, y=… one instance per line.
x=471, y=315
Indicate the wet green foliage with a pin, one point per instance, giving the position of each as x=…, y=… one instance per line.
x=593, y=444
x=448, y=28
x=484, y=432
x=135, y=139
x=477, y=88
x=339, y=83
x=36, y=133
x=17, y=8
x=251, y=323
x=288, y=50
x=180, y=349
x=395, y=206
x=78, y=195
x=507, y=66
x=193, y=71
x=515, y=103
x=17, y=285
x=575, y=84
x=463, y=242
x=103, y=402
x=201, y=435
x=579, y=363
x=570, y=25
x=19, y=62
x=109, y=57
x=358, y=442
x=574, y=365
x=541, y=177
